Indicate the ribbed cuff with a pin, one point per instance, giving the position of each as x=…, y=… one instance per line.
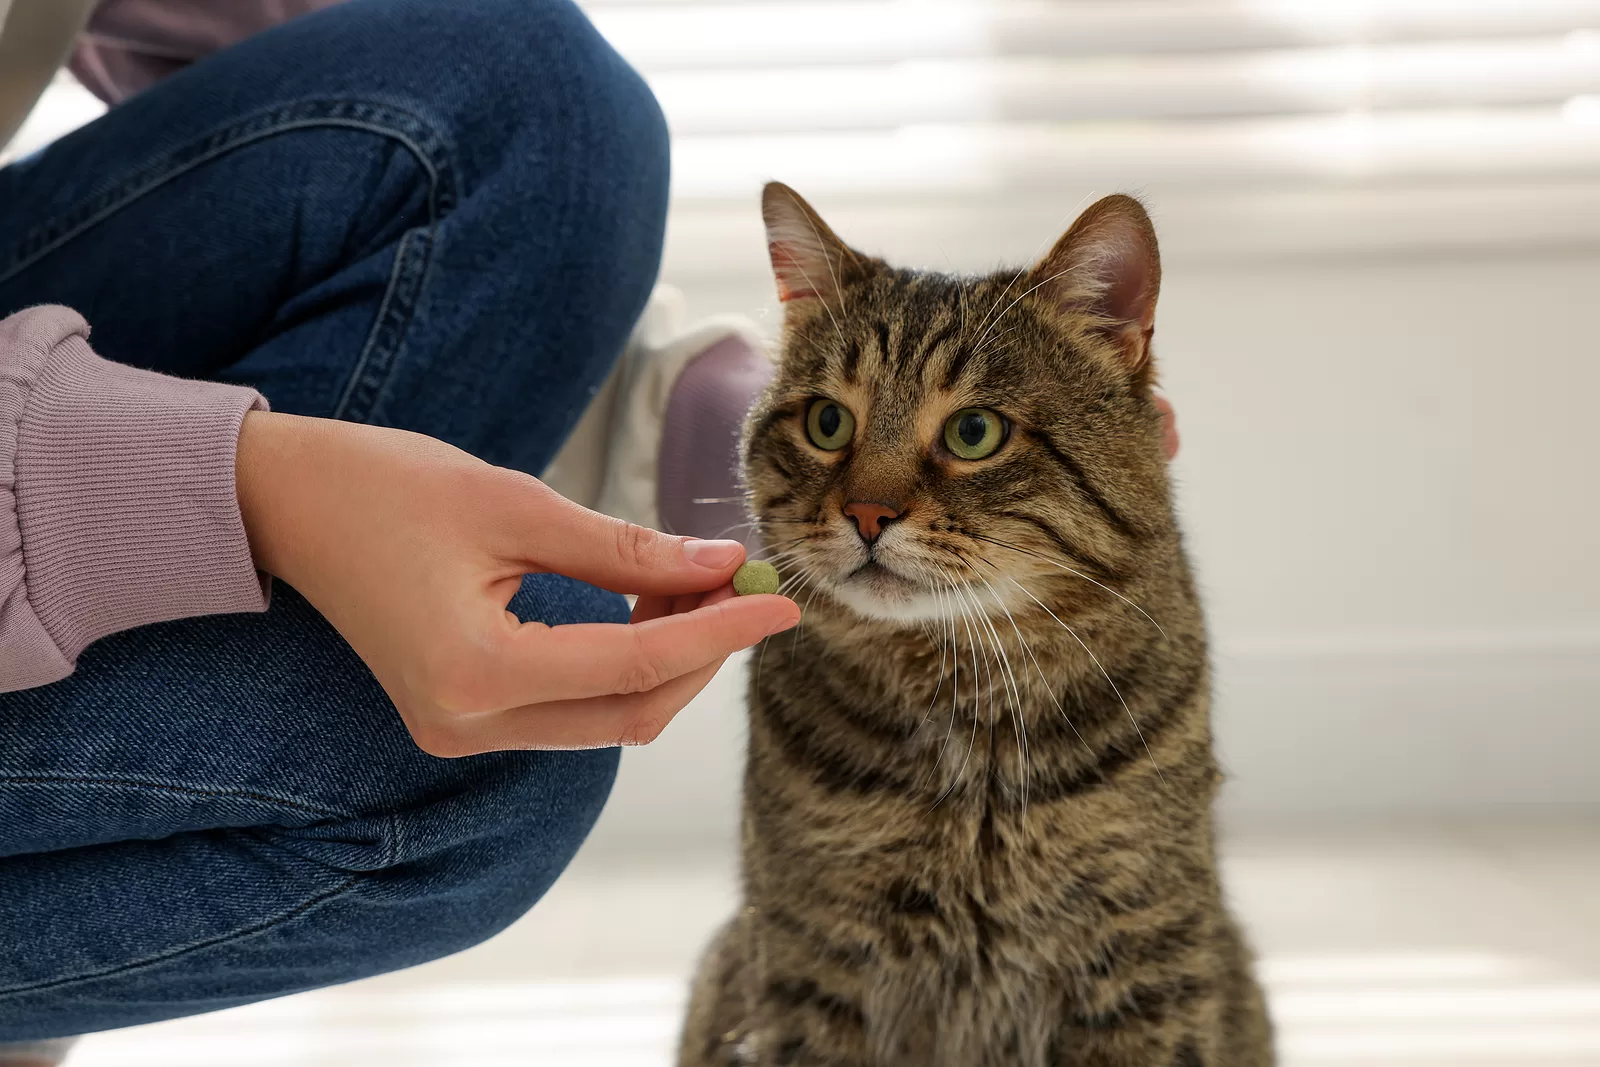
x=125, y=496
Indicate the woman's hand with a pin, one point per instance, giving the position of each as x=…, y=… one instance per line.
x=413, y=548
x=1169, y=423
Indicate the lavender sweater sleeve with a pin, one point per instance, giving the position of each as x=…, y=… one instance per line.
x=117, y=498
x=132, y=44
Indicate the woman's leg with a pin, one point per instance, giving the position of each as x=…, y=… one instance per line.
x=437, y=214
x=441, y=216
x=216, y=811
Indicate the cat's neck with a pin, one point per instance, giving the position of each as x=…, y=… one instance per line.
x=1079, y=690
x=992, y=710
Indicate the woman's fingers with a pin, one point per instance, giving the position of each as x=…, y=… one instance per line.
x=572, y=540
x=544, y=664
x=629, y=680
x=657, y=606
x=596, y=722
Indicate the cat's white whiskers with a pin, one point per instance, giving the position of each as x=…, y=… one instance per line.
x=800, y=581
x=804, y=578
x=961, y=772
x=989, y=650
x=990, y=347
x=945, y=646
x=1029, y=652
x=788, y=555
x=1014, y=693
x=1027, y=648
x=1077, y=573
x=760, y=525
x=800, y=628
x=791, y=546
x=963, y=298
x=1014, y=279
x=1032, y=258
x=943, y=651
x=1103, y=671
x=955, y=679
x=988, y=677
x=1019, y=298
x=805, y=575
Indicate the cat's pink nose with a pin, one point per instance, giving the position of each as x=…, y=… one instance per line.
x=870, y=517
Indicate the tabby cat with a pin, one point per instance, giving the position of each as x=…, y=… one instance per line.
x=977, y=820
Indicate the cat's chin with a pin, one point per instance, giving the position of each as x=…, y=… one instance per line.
x=883, y=596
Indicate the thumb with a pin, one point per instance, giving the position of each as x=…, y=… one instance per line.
x=622, y=557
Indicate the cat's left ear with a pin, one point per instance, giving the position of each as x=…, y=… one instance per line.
x=1108, y=266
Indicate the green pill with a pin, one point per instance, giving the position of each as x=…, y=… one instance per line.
x=755, y=576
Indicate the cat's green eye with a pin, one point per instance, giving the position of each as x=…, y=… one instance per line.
x=973, y=433
x=829, y=424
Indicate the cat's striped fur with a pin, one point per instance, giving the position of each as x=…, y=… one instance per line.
x=977, y=823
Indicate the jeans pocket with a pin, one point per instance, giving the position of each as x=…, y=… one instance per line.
x=431, y=148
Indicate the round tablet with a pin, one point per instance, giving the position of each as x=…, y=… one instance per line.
x=755, y=576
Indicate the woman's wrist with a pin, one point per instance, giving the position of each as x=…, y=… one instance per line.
x=271, y=457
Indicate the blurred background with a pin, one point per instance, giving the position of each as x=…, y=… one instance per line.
x=1380, y=323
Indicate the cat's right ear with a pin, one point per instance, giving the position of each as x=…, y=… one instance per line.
x=809, y=261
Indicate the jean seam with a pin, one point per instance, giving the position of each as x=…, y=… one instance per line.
x=411, y=131
x=394, y=841
x=375, y=365
x=209, y=793
x=163, y=957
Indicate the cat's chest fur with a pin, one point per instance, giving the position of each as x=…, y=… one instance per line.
x=961, y=871
x=887, y=839
x=902, y=841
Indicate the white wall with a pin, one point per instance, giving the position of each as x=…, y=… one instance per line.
x=1388, y=485
x=1386, y=390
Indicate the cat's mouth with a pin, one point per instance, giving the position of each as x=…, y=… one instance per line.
x=875, y=589
x=874, y=570
x=880, y=577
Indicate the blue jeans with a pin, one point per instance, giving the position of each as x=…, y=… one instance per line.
x=443, y=216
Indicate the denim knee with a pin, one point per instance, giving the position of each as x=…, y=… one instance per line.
x=537, y=90
x=538, y=109
x=582, y=90
x=587, y=152
x=495, y=831
x=473, y=862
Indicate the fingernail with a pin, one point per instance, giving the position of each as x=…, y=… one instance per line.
x=712, y=555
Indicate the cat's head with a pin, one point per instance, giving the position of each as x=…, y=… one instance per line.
x=934, y=443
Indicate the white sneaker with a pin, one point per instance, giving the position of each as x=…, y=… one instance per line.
x=36, y=1053
x=658, y=445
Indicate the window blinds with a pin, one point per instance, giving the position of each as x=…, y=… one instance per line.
x=1256, y=125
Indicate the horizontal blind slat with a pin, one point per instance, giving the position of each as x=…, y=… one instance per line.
x=1236, y=84
x=750, y=33
x=1443, y=146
